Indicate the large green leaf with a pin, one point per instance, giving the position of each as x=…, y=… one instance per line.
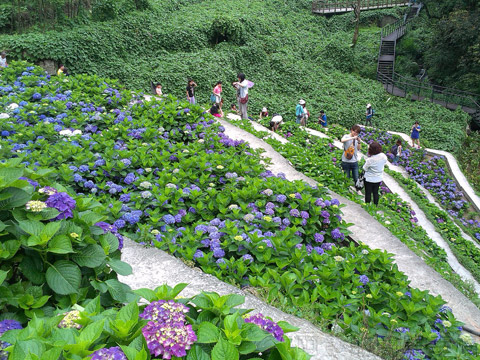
x=31, y=267
x=9, y=174
x=18, y=197
x=207, y=333
x=90, y=256
x=223, y=350
x=3, y=276
x=31, y=227
x=60, y=244
x=197, y=353
x=120, y=267
x=64, y=277
x=116, y=289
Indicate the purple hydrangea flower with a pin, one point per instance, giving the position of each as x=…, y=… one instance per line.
x=112, y=353
x=337, y=234
x=318, y=237
x=169, y=219
x=295, y=213
x=167, y=340
x=364, y=279
x=248, y=257
x=281, y=198
x=267, y=325
x=63, y=203
x=130, y=178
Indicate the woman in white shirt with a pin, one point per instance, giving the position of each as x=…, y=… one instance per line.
x=374, y=171
x=242, y=94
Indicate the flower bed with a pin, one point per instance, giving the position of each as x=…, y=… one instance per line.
x=172, y=179
x=206, y=326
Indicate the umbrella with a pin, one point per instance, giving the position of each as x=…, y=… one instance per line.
x=250, y=84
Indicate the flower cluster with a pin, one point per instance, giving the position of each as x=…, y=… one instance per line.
x=6, y=325
x=267, y=325
x=166, y=333
x=68, y=320
x=63, y=203
x=112, y=353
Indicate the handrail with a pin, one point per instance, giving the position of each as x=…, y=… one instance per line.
x=332, y=6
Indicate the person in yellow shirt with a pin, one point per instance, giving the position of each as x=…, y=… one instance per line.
x=62, y=70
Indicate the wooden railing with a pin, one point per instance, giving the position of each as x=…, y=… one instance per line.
x=419, y=90
x=338, y=6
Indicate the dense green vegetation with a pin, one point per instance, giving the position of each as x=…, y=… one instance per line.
x=446, y=42
x=288, y=52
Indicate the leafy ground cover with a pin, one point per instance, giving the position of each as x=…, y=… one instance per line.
x=286, y=59
x=170, y=178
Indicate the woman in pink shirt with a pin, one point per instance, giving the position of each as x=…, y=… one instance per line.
x=217, y=91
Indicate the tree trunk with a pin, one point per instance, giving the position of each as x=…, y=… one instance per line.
x=356, y=10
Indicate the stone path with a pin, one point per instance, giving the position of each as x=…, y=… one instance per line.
x=371, y=232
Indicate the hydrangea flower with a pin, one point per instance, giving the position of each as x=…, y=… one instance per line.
x=364, y=279
x=167, y=340
x=35, y=205
x=63, y=203
x=337, y=234
x=295, y=213
x=68, y=320
x=267, y=325
x=169, y=219
x=166, y=312
x=6, y=325
x=112, y=353
x=281, y=198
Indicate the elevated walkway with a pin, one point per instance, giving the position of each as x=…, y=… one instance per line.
x=332, y=7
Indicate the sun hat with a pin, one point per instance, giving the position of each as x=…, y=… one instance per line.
x=301, y=102
x=369, y=105
x=264, y=109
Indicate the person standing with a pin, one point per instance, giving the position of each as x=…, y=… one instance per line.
x=3, y=60
x=415, y=134
x=369, y=115
x=300, y=112
x=191, y=91
x=373, y=168
x=242, y=94
x=351, y=145
x=217, y=91
x=322, y=119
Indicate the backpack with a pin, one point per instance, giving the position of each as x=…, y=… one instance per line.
x=350, y=151
x=394, y=149
x=213, y=98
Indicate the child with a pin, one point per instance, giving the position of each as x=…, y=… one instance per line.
x=369, y=115
x=415, y=134
x=217, y=91
x=396, y=150
x=191, y=91
x=3, y=60
x=158, y=89
x=263, y=113
x=62, y=70
x=233, y=108
x=215, y=110
x=322, y=119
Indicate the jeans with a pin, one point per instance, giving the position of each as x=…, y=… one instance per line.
x=351, y=169
x=371, y=188
x=369, y=121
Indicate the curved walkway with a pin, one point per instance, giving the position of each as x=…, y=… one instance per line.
x=366, y=229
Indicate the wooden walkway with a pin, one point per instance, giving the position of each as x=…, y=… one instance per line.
x=331, y=7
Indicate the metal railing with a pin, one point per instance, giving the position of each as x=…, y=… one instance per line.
x=338, y=6
x=417, y=90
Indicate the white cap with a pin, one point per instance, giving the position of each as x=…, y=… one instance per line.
x=264, y=109
x=301, y=102
x=369, y=105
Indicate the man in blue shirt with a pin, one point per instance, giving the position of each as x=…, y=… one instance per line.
x=300, y=112
x=322, y=119
x=369, y=115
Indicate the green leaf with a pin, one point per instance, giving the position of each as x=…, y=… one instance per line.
x=60, y=244
x=197, y=353
x=91, y=332
x=18, y=197
x=223, y=350
x=64, y=277
x=3, y=276
x=9, y=175
x=32, y=268
x=116, y=289
x=252, y=332
x=90, y=256
x=128, y=312
x=147, y=294
x=31, y=227
x=93, y=306
x=207, y=333
x=91, y=218
x=120, y=267
x=286, y=327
